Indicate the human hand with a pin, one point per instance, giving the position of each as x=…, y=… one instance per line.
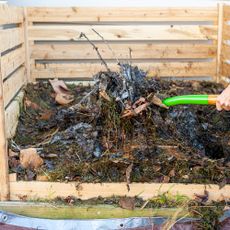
x=223, y=100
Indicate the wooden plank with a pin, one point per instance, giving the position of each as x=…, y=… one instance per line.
x=123, y=32
x=12, y=61
x=219, y=41
x=226, y=69
x=10, y=38
x=139, y=51
x=226, y=32
x=43, y=210
x=10, y=14
x=84, y=191
x=118, y=14
x=12, y=114
x=13, y=84
x=87, y=70
x=227, y=12
x=27, y=47
x=226, y=52
x=4, y=177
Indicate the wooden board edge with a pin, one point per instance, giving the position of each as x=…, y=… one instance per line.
x=12, y=114
x=33, y=190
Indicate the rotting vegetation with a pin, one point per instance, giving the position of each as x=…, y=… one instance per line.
x=112, y=132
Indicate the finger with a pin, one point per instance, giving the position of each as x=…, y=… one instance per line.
x=218, y=106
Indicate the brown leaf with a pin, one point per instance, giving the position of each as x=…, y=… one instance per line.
x=46, y=115
x=30, y=104
x=30, y=159
x=64, y=99
x=42, y=178
x=166, y=179
x=172, y=173
x=59, y=86
x=173, y=151
x=127, y=203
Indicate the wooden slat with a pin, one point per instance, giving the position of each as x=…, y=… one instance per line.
x=226, y=52
x=87, y=70
x=226, y=32
x=124, y=32
x=13, y=84
x=10, y=38
x=4, y=169
x=50, y=190
x=226, y=69
x=124, y=14
x=121, y=50
x=10, y=14
x=227, y=12
x=12, y=61
x=50, y=211
x=12, y=114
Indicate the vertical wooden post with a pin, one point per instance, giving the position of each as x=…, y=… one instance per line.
x=219, y=40
x=26, y=45
x=4, y=174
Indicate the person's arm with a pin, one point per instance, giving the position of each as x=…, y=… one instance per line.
x=223, y=100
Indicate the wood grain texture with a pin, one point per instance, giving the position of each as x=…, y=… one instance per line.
x=10, y=14
x=226, y=51
x=124, y=14
x=147, y=50
x=4, y=170
x=122, y=32
x=227, y=12
x=226, y=69
x=12, y=61
x=46, y=210
x=12, y=85
x=84, y=191
x=12, y=114
x=226, y=32
x=10, y=38
x=87, y=70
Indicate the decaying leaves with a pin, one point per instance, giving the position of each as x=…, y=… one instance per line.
x=127, y=203
x=59, y=86
x=29, y=159
x=64, y=99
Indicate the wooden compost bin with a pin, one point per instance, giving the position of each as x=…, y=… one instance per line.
x=43, y=43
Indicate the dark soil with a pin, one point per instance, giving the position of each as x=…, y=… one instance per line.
x=188, y=144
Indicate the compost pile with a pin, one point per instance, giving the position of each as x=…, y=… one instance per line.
x=118, y=131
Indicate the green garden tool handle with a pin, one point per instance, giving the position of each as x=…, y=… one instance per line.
x=190, y=100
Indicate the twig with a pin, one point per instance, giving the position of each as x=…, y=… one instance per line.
x=96, y=48
x=130, y=55
x=108, y=45
x=74, y=107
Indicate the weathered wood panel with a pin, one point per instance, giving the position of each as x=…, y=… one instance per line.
x=227, y=12
x=51, y=190
x=10, y=14
x=226, y=52
x=12, y=114
x=123, y=32
x=226, y=69
x=10, y=38
x=226, y=32
x=87, y=70
x=12, y=85
x=124, y=14
x=12, y=61
x=147, y=50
